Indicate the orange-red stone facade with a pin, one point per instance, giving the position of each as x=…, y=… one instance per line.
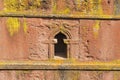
x=89, y=39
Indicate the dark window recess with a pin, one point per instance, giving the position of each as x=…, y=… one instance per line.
x=60, y=46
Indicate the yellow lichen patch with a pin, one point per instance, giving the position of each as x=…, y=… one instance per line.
x=100, y=11
x=25, y=26
x=54, y=6
x=81, y=7
x=66, y=11
x=96, y=7
x=21, y=5
x=116, y=75
x=13, y=25
x=84, y=6
x=11, y=5
x=96, y=28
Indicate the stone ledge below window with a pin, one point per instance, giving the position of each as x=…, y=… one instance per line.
x=60, y=65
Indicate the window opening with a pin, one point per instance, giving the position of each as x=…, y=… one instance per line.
x=60, y=47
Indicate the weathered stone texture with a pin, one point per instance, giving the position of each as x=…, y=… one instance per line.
x=28, y=29
x=94, y=43
x=117, y=7
x=1, y=5
x=59, y=75
x=108, y=7
x=12, y=47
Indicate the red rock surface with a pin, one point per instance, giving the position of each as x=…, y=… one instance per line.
x=88, y=39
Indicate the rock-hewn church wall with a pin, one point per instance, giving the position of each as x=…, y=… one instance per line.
x=28, y=29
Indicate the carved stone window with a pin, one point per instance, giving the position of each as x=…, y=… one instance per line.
x=59, y=45
x=60, y=48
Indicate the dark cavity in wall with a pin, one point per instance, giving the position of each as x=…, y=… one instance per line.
x=60, y=46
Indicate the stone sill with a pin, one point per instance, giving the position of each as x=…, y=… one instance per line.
x=60, y=65
x=60, y=16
